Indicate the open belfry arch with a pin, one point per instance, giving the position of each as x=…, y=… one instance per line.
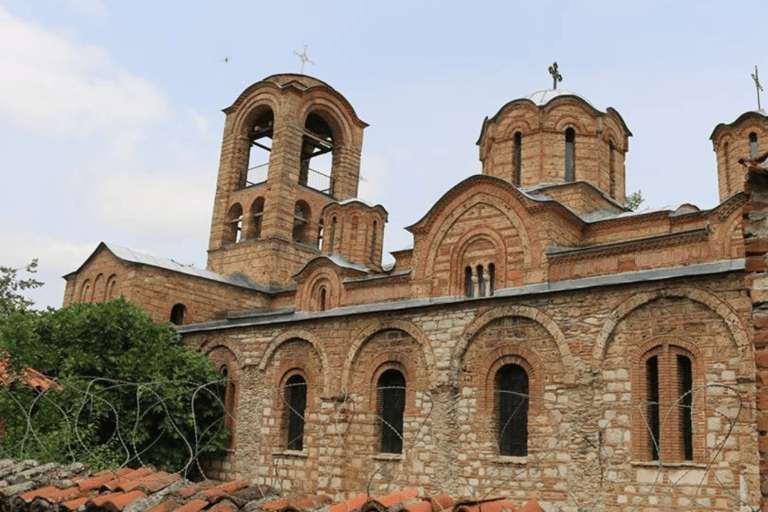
x=537, y=337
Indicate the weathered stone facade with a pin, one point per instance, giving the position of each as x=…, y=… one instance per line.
x=538, y=339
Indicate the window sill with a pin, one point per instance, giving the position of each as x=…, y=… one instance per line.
x=295, y=454
x=388, y=456
x=655, y=464
x=511, y=459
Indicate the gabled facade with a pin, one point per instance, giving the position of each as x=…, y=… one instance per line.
x=538, y=335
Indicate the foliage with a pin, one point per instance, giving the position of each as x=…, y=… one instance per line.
x=11, y=285
x=131, y=393
x=634, y=200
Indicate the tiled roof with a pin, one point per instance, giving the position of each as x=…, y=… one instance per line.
x=27, y=486
x=31, y=377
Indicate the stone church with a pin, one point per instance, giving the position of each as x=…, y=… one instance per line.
x=538, y=339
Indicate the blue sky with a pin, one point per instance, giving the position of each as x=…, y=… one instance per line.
x=110, y=111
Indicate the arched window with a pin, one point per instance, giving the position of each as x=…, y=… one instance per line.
x=295, y=403
x=512, y=410
x=316, y=147
x=668, y=414
x=228, y=399
x=235, y=223
x=111, y=289
x=612, y=167
x=374, y=241
x=323, y=298
x=469, y=285
x=570, y=154
x=753, y=147
x=517, y=160
x=257, y=214
x=480, y=281
x=491, y=279
x=332, y=235
x=259, y=138
x=301, y=216
x=178, y=312
x=391, y=408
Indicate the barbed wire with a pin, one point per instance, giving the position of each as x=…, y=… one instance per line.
x=580, y=441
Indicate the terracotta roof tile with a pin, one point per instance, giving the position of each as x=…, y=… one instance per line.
x=441, y=502
x=391, y=499
x=223, y=506
x=491, y=505
x=191, y=490
x=350, y=504
x=193, y=506
x=223, y=490
x=164, y=506
x=75, y=504
x=419, y=506
x=116, y=500
x=297, y=503
x=531, y=506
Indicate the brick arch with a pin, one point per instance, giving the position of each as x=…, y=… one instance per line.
x=319, y=277
x=728, y=235
x=518, y=125
x=367, y=332
x=716, y=305
x=247, y=112
x=568, y=120
x=460, y=248
x=538, y=316
x=210, y=345
x=325, y=107
x=512, y=353
x=309, y=338
x=453, y=211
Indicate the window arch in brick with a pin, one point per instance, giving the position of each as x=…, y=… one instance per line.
x=316, y=160
x=85, y=291
x=669, y=421
x=517, y=160
x=295, y=405
x=390, y=400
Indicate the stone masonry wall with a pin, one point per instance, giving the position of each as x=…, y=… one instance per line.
x=583, y=351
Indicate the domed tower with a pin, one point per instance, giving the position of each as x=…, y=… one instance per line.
x=291, y=146
x=746, y=137
x=556, y=137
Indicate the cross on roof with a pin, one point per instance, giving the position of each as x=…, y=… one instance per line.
x=758, y=87
x=304, y=58
x=556, y=76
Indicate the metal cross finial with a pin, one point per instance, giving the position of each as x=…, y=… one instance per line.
x=304, y=58
x=556, y=76
x=758, y=86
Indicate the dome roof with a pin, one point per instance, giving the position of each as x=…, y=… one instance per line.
x=544, y=96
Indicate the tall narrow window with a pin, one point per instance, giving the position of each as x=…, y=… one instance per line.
x=491, y=279
x=320, y=242
x=612, y=167
x=296, y=404
x=235, y=223
x=469, y=285
x=301, y=216
x=753, y=148
x=517, y=160
x=332, y=235
x=257, y=212
x=260, y=139
x=480, y=281
x=323, y=297
x=374, y=241
x=391, y=408
x=317, y=146
x=512, y=410
x=228, y=399
x=667, y=422
x=570, y=154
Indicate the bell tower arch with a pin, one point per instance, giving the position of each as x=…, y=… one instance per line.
x=746, y=137
x=291, y=146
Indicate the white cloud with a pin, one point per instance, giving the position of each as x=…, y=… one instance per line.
x=174, y=205
x=52, y=84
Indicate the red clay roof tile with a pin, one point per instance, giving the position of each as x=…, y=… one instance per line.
x=419, y=506
x=350, y=504
x=531, y=506
x=116, y=500
x=164, y=506
x=441, y=502
x=193, y=506
x=222, y=507
x=397, y=497
x=223, y=490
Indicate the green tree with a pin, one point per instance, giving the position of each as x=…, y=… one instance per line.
x=11, y=286
x=130, y=392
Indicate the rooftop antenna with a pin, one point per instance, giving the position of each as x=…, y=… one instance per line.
x=304, y=58
x=758, y=87
x=556, y=76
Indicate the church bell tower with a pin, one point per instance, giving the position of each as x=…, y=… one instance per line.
x=291, y=146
